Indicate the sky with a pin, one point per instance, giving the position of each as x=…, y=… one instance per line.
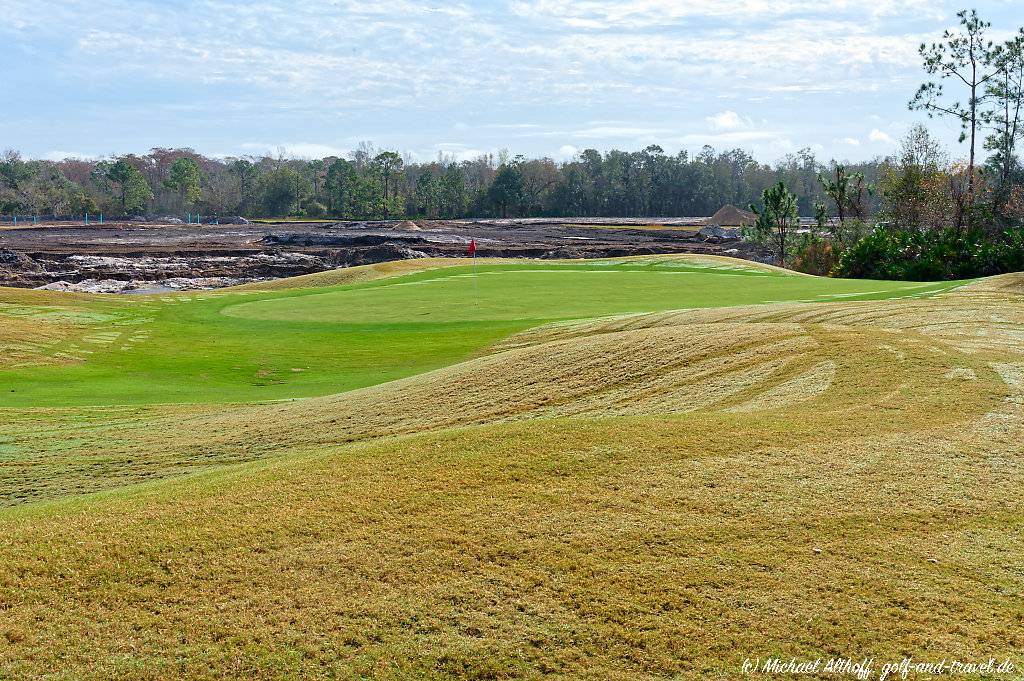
x=91, y=78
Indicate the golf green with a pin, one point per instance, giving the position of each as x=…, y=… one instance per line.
x=242, y=346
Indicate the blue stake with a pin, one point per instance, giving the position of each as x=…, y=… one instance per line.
x=87, y=217
x=15, y=219
x=101, y=218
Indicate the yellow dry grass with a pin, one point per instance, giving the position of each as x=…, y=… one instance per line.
x=650, y=496
x=41, y=327
x=355, y=275
x=24, y=341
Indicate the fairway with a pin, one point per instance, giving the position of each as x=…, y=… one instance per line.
x=641, y=468
x=244, y=346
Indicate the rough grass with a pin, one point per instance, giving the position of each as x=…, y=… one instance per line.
x=654, y=495
x=23, y=341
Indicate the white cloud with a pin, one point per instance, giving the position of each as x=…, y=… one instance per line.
x=456, y=151
x=617, y=132
x=62, y=155
x=298, y=150
x=729, y=120
x=880, y=137
x=609, y=14
x=848, y=141
x=566, y=152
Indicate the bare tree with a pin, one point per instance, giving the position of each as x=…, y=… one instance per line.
x=965, y=56
x=1006, y=93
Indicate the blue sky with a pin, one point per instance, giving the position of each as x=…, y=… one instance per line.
x=538, y=77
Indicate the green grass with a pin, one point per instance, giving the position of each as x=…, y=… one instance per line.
x=249, y=345
x=620, y=489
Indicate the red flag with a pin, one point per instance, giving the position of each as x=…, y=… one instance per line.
x=472, y=248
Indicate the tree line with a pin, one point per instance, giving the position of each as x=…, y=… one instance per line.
x=919, y=190
x=375, y=184
x=918, y=186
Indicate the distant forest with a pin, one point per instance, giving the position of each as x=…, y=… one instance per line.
x=373, y=184
x=918, y=214
x=972, y=81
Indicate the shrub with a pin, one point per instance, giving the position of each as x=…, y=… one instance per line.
x=815, y=256
x=933, y=255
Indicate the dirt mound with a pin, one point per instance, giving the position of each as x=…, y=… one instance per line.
x=731, y=216
x=13, y=259
x=409, y=225
x=375, y=254
x=14, y=265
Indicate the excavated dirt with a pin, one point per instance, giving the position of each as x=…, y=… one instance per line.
x=125, y=257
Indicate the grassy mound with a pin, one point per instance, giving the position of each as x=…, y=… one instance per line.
x=653, y=492
x=353, y=328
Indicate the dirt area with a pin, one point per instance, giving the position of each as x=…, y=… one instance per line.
x=127, y=257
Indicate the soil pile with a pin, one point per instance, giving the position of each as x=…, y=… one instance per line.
x=731, y=216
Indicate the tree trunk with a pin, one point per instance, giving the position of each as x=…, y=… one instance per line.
x=782, y=245
x=974, y=131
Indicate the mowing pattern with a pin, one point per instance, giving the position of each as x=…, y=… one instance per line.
x=905, y=354
x=653, y=495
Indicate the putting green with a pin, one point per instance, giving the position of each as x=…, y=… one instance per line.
x=237, y=346
x=548, y=291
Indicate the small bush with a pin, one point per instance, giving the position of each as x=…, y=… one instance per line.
x=932, y=255
x=815, y=256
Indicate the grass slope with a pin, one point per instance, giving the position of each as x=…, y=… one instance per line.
x=252, y=344
x=657, y=493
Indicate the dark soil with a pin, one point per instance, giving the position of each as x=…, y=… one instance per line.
x=142, y=252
